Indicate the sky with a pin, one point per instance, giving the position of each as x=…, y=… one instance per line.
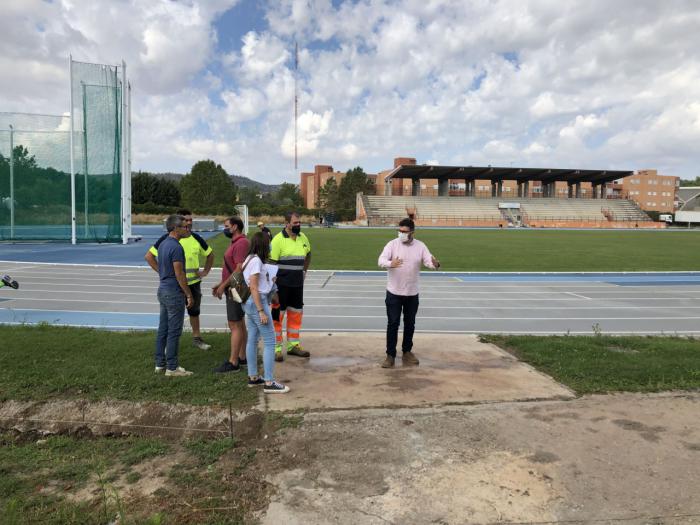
x=598, y=84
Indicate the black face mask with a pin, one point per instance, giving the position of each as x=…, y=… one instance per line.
x=228, y=233
x=296, y=230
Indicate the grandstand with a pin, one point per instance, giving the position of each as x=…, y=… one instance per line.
x=511, y=201
x=379, y=210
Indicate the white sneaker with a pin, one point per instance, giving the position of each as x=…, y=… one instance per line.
x=178, y=372
x=160, y=369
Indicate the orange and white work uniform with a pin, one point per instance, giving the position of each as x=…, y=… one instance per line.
x=290, y=256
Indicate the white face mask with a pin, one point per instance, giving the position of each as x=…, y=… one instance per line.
x=404, y=237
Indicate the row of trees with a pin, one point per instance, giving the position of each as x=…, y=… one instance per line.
x=208, y=189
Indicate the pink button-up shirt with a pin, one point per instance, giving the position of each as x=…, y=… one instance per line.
x=404, y=279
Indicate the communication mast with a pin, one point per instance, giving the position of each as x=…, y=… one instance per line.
x=296, y=104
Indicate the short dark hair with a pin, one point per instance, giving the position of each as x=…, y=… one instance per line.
x=174, y=221
x=288, y=216
x=184, y=211
x=237, y=221
x=260, y=246
x=409, y=223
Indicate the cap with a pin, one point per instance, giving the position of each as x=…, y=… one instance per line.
x=261, y=223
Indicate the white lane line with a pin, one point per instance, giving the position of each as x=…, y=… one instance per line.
x=577, y=295
x=210, y=301
x=382, y=330
x=423, y=297
x=151, y=290
x=446, y=318
x=76, y=285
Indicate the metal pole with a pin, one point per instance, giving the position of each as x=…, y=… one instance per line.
x=85, y=158
x=124, y=157
x=12, y=183
x=72, y=161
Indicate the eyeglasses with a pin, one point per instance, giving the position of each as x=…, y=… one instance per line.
x=405, y=231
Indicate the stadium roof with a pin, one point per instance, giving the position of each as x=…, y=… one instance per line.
x=546, y=175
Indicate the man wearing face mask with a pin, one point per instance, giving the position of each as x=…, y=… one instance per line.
x=291, y=251
x=195, y=248
x=403, y=258
x=233, y=258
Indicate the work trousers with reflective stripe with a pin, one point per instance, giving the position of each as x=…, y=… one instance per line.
x=291, y=302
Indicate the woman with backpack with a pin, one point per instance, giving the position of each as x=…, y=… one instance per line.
x=258, y=317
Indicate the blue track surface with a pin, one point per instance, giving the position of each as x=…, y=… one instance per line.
x=64, y=253
x=111, y=320
x=618, y=278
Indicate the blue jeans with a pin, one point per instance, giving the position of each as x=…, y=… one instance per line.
x=172, y=315
x=257, y=329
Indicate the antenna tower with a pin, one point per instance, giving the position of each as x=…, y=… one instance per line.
x=296, y=104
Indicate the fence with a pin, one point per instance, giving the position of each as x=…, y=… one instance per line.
x=64, y=177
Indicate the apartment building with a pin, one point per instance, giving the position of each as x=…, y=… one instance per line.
x=651, y=191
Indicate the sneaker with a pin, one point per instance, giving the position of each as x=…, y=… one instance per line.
x=388, y=362
x=275, y=388
x=297, y=351
x=9, y=281
x=198, y=342
x=178, y=372
x=160, y=369
x=227, y=366
x=243, y=362
x=409, y=359
x=255, y=382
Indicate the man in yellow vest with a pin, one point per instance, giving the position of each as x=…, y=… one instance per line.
x=291, y=251
x=195, y=247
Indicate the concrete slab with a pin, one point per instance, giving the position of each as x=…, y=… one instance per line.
x=344, y=372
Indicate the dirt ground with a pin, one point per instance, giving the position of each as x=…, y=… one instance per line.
x=470, y=436
x=600, y=459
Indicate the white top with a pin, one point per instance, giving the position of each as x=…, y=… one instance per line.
x=255, y=266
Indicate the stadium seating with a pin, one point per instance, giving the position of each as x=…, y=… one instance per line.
x=390, y=209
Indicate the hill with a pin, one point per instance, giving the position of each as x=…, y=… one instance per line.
x=240, y=181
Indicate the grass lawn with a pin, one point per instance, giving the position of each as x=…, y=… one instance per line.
x=601, y=364
x=45, y=362
x=508, y=250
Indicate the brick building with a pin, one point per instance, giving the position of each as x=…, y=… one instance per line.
x=311, y=182
x=651, y=191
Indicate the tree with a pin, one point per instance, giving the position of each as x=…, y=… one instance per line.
x=327, y=195
x=288, y=195
x=147, y=188
x=207, y=187
x=354, y=182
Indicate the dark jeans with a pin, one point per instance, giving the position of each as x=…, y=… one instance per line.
x=394, y=305
x=172, y=315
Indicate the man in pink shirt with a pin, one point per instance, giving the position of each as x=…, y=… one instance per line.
x=403, y=258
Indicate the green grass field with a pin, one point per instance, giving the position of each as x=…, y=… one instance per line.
x=509, y=250
x=47, y=362
x=601, y=364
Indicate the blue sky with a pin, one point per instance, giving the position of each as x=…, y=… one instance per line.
x=534, y=83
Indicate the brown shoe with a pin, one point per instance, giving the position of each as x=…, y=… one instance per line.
x=388, y=362
x=409, y=359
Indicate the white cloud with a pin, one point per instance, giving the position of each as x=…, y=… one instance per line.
x=312, y=127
